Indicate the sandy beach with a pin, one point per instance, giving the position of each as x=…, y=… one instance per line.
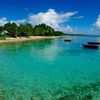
x=21, y=39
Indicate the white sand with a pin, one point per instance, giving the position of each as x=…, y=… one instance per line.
x=21, y=39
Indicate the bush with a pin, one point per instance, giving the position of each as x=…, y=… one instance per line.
x=2, y=36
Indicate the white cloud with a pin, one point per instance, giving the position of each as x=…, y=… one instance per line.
x=66, y=28
x=3, y=21
x=79, y=17
x=97, y=24
x=18, y=22
x=53, y=19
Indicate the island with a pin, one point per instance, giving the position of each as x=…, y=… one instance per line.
x=11, y=32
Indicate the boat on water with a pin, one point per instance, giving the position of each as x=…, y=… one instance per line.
x=94, y=43
x=67, y=40
x=90, y=46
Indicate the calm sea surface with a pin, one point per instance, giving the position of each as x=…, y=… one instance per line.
x=50, y=70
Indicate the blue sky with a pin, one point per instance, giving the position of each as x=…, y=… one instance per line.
x=87, y=12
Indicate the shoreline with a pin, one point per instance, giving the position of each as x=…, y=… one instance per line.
x=31, y=38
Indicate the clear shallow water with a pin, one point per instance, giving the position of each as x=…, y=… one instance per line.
x=50, y=70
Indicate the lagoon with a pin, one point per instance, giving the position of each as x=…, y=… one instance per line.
x=50, y=70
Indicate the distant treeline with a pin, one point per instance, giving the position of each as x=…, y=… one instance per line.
x=13, y=30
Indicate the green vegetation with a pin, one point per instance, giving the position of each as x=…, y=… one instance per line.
x=1, y=29
x=25, y=30
x=2, y=36
x=43, y=30
x=13, y=30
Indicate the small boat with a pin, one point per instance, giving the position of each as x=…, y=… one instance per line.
x=67, y=40
x=94, y=43
x=90, y=46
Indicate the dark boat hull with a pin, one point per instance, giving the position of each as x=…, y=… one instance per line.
x=91, y=46
x=94, y=43
x=67, y=40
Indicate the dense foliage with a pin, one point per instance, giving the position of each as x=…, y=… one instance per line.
x=43, y=30
x=13, y=30
x=1, y=29
x=25, y=30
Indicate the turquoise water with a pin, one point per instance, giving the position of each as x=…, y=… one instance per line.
x=50, y=70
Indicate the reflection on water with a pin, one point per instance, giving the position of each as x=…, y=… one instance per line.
x=50, y=70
